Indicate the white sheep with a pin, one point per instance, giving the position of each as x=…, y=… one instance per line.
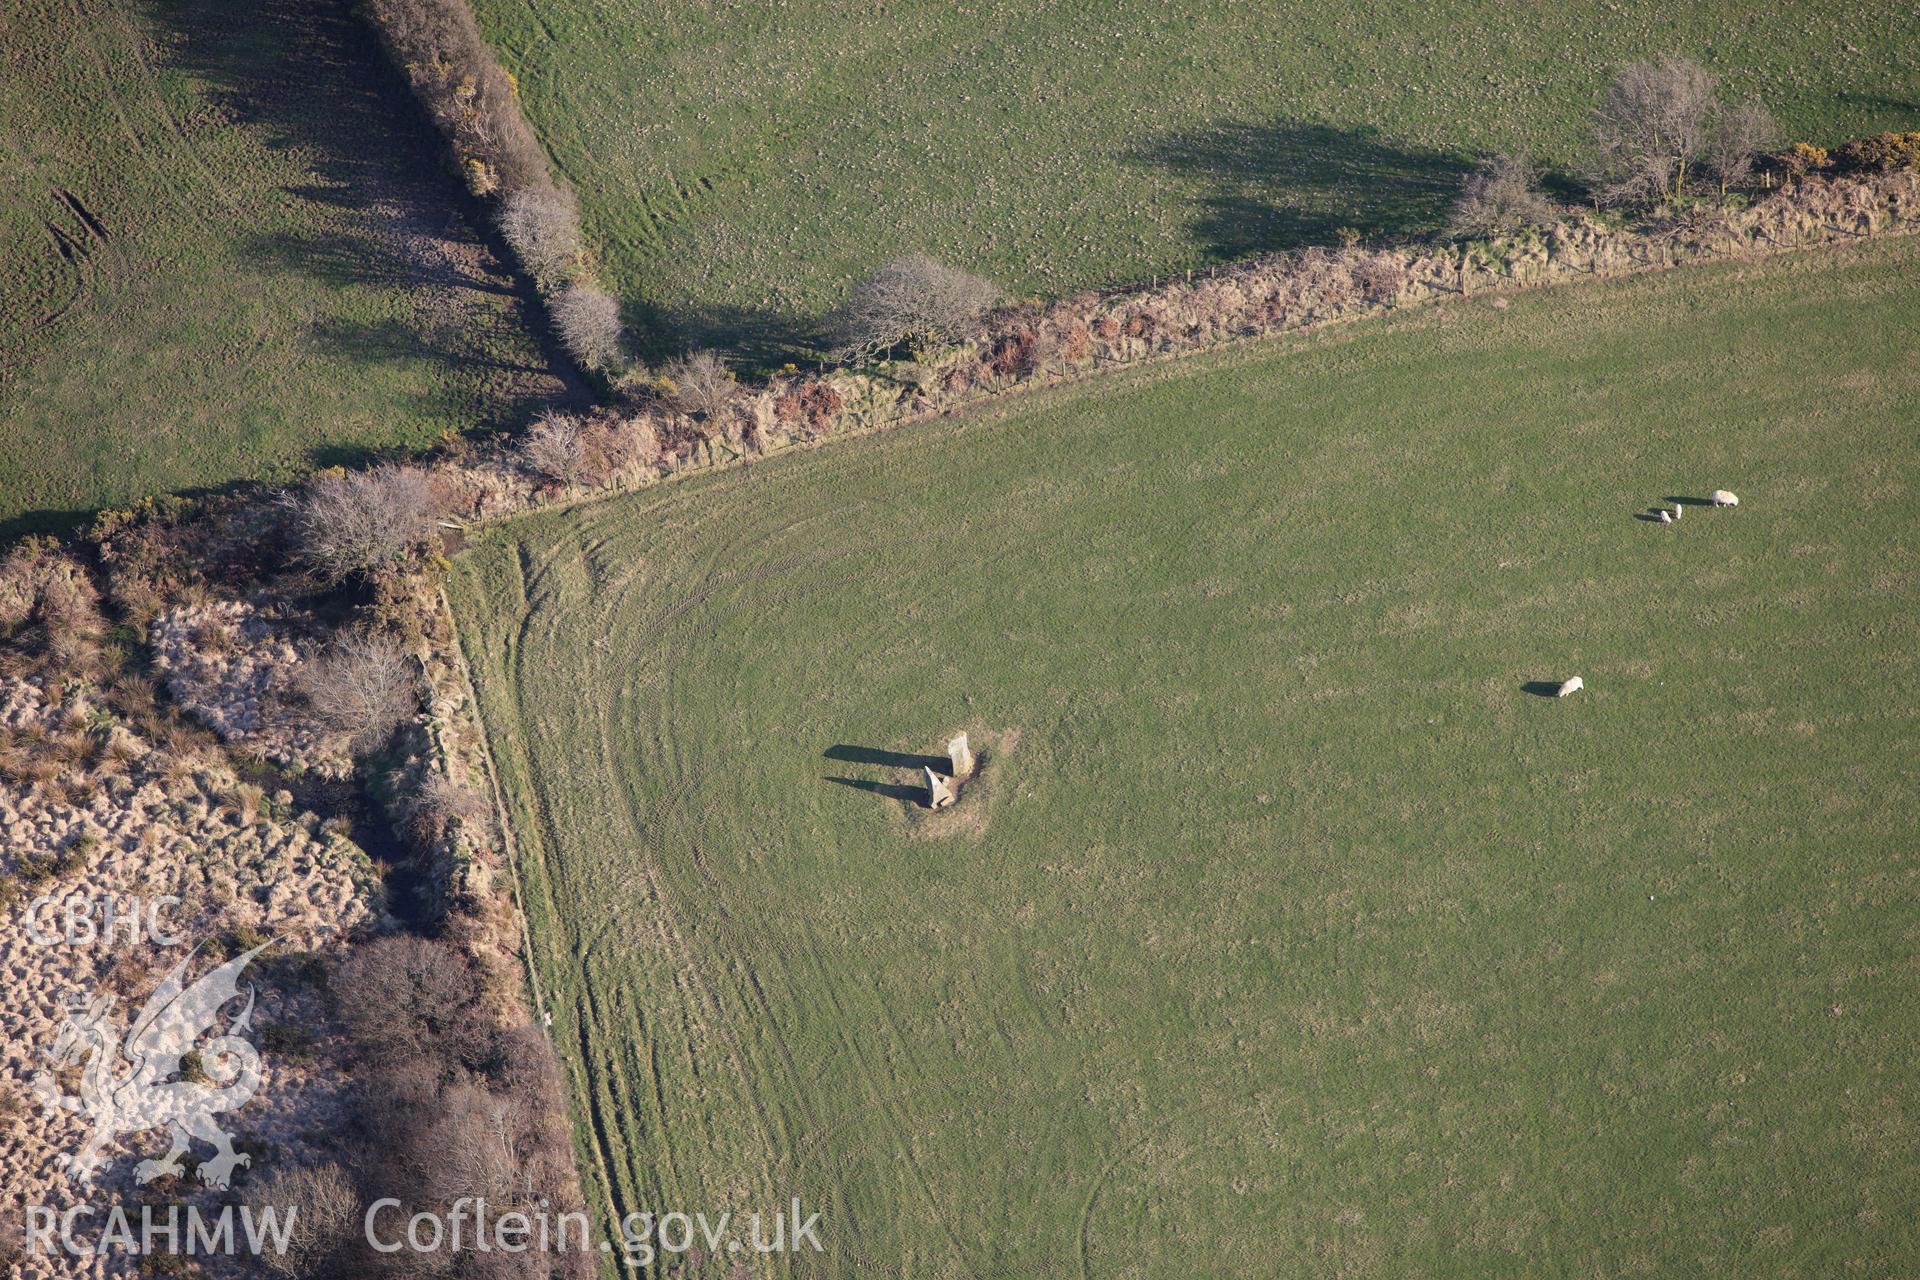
x=1663, y=515
x=1569, y=686
x=1723, y=498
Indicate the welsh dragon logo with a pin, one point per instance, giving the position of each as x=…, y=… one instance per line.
x=130, y=1086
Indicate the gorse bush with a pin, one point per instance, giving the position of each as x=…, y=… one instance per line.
x=1883, y=152
x=1500, y=195
x=1801, y=159
x=913, y=301
x=439, y=46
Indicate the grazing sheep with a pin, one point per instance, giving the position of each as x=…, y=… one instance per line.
x=1569, y=686
x=1678, y=511
x=1722, y=498
x=1663, y=515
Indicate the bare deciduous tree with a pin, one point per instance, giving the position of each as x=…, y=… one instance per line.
x=436, y=801
x=527, y=1065
x=474, y=1133
x=542, y=227
x=588, y=321
x=1648, y=129
x=359, y=522
x=362, y=687
x=554, y=448
x=1736, y=135
x=404, y=995
x=1500, y=195
x=915, y=300
x=321, y=1211
x=702, y=383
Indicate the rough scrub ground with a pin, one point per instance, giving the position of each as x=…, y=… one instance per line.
x=129, y=820
x=227, y=251
x=1292, y=929
x=739, y=163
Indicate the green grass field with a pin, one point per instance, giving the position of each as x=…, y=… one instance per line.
x=226, y=251
x=740, y=163
x=1289, y=931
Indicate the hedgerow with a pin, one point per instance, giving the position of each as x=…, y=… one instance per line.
x=476, y=104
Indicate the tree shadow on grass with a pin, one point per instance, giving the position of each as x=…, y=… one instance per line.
x=350, y=457
x=384, y=341
x=342, y=258
x=757, y=341
x=1286, y=184
x=72, y=520
x=310, y=76
x=56, y=521
x=501, y=393
x=1908, y=112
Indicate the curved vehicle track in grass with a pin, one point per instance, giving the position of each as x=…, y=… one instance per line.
x=1295, y=934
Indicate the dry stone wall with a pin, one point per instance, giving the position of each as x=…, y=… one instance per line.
x=1051, y=342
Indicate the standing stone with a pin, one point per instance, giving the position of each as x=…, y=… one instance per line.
x=939, y=791
x=960, y=757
